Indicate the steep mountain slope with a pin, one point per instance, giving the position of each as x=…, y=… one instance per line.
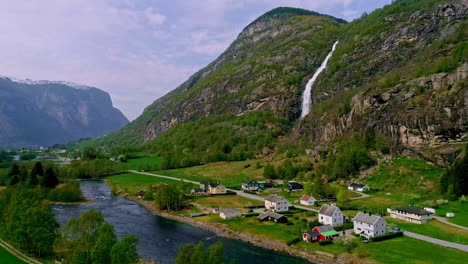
x=399, y=72
x=44, y=113
x=264, y=69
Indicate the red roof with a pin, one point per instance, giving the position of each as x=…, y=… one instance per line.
x=305, y=197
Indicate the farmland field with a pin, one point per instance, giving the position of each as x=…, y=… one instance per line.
x=132, y=182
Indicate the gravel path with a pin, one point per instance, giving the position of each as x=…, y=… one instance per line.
x=436, y=241
x=363, y=195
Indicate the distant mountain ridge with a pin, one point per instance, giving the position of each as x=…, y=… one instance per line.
x=42, y=113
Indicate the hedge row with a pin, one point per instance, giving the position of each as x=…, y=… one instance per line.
x=325, y=242
x=385, y=237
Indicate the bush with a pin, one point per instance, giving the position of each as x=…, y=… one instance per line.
x=293, y=241
x=385, y=237
x=325, y=242
x=67, y=193
x=344, y=226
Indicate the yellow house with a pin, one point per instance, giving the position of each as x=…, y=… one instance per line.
x=213, y=188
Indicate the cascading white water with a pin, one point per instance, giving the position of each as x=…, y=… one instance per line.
x=307, y=95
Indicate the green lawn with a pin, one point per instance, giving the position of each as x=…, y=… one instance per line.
x=226, y=201
x=146, y=163
x=402, y=181
x=7, y=257
x=409, y=250
x=459, y=209
x=132, y=182
x=268, y=230
x=434, y=229
x=228, y=173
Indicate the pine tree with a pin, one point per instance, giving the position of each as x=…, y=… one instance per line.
x=36, y=172
x=50, y=179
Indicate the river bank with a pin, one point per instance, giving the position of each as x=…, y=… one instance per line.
x=225, y=231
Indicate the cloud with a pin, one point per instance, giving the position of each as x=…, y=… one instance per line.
x=153, y=17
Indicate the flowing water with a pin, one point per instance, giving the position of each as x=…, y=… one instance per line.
x=307, y=95
x=159, y=237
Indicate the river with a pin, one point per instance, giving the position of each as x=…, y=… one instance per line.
x=159, y=237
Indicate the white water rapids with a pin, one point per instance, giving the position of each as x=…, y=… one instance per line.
x=307, y=95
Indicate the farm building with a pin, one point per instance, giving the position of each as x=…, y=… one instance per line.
x=326, y=232
x=411, y=214
x=273, y=217
x=229, y=213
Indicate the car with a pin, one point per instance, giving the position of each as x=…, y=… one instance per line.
x=396, y=229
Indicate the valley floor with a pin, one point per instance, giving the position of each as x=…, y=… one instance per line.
x=277, y=235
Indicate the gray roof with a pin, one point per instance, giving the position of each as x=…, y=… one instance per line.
x=230, y=211
x=273, y=198
x=249, y=181
x=366, y=218
x=414, y=210
x=357, y=185
x=324, y=228
x=270, y=214
x=327, y=210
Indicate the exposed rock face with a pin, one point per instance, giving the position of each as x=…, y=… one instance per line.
x=44, y=113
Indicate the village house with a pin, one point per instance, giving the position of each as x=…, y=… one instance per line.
x=276, y=203
x=411, y=214
x=266, y=184
x=294, y=186
x=358, y=187
x=196, y=191
x=367, y=225
x=250, y=185
x=307, y=200
x=212, y=188
x=273, y=217
x=330, y=215
x=229, y=213
x=325, y=232
x=311, y=237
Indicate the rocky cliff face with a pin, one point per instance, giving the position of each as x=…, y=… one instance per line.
x=44, y=113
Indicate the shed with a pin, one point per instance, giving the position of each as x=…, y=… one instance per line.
x=229, y=213
x=273, y=217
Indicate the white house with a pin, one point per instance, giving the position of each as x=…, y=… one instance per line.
x=358, y=187
x=276, y=203
x=411, y=214
x=229, y=213
x=368, y=225
x=307, y=200
x=330, y=215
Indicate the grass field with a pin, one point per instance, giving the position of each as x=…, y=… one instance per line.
x=409, y=250
x=459, y=209
x=228, y=173
x=226, y=201
x=402, y=181
x=132, y=182
x=7, y=258
x=434, y=229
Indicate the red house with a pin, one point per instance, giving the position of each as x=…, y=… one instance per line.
x=326, y=232
x=311, y=237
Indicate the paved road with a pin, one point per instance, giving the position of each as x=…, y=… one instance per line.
x=445, y=221
x=240, y=193
x=436, y=241
x=363, y=195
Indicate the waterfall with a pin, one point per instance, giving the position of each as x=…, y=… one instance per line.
x=307, y=96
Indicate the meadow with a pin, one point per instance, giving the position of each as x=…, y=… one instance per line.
x=7, y=257
x=460, y=209
x=132, y=182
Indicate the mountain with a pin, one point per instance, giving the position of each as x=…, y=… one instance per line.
x=42, y=113
x=399, y=72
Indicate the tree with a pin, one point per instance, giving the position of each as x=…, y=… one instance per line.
x=216, y=253
x=318, y=187
x=124, y=251
x=168, y=197
x=90, y=154
x=36, y=172
x=23, y=174
x=199, y=255
x=343, y=195
x=269, y=172
x=50, y=179
x=78, y=237
x=309, y=188
x=15, y=170
x=105, y=240
x=185, y=254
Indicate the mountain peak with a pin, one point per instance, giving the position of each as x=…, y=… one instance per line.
x=46, y=82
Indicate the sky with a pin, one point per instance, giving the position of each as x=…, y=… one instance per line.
x=136, y=50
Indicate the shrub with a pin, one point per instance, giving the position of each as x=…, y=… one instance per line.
x=67, y=193
x=325, y=242
x=348, y=225
x=387, y=236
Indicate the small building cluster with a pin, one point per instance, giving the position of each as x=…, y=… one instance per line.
x=253, y=185
x=210, y=187
x=358, y=187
